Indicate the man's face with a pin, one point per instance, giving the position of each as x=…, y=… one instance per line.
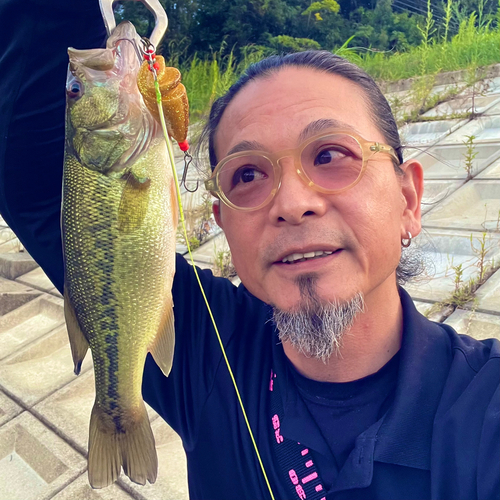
x=362, y=226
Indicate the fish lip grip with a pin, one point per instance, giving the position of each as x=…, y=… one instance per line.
x=161, y=19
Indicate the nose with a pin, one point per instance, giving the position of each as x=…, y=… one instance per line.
x=295, y=200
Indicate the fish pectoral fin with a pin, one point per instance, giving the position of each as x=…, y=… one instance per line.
x=78, y=342
x=133, y=203
x=162, y=348
x=121, y=440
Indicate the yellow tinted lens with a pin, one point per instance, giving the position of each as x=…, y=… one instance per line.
x=333, y=162
x=246, y=181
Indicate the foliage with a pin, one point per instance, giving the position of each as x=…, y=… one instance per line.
x=469, y=155
x=223, y=265
x=284, y=43
x=213, y=42
x=472, y=46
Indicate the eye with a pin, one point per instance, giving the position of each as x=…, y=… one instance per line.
x=330, y=154
x=74, y=89
x=246, y=174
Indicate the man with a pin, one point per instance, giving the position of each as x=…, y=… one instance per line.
x=349, y=392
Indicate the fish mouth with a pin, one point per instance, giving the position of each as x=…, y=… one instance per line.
x=302, y=256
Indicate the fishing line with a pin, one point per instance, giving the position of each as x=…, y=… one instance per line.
x=183, y=222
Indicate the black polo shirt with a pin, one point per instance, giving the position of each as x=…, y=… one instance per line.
x=439, y=439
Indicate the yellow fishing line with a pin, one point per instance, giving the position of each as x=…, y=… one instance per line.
x=183, y=222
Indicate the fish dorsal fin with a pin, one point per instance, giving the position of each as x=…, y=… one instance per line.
x=78, y=342
x=133, y=203
x=162, y=348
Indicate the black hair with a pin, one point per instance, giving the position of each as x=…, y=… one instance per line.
x=319, y=60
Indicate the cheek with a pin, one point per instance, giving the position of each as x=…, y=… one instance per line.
x=376, y=220
x=242, y=236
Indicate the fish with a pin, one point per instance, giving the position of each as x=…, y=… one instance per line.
x=118, y=221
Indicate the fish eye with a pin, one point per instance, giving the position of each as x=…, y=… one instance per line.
x=74, y=89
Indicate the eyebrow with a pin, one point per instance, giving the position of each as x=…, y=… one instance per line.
x=318, y=126
x=311, y=129
x=246, y=146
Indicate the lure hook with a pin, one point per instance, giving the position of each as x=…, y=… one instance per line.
x=187, y=161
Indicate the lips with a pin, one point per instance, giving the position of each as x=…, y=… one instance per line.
x=301, y=257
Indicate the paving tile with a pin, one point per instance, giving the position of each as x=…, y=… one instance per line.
x=13, y=265
x=475, y=207
x=37, y=279
x=69, y=410
x=488, y=295
x=478, y=325
x=491, y=86
x=34, y=462
x=6, y=234
x=55, y=292
x=207, y=252
x=14, y=295
x=34, y=319
x=448, y=162
x=81, y=490
x=41, y=368
x=492, y=172
x=494, y=110
x=435, y=191
x=171, y=483
x=484, y=129
x=11, y=246
x=422, y=307
x=8, y=409
x=464, y=104
x=441, y=251
x=427, y=133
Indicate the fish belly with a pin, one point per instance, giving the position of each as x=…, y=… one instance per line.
x=119, y=284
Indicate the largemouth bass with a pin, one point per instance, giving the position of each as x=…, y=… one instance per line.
x=119, y=218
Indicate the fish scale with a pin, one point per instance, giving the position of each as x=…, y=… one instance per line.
x=119, y=220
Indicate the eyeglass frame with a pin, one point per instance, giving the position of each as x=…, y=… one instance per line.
x=368, y=149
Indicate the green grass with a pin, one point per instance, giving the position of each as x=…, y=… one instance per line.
x=473, y=47
x=207, y=79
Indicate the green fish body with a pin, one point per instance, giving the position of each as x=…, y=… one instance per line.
x=119, y=217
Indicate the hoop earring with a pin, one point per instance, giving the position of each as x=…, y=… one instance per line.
x=405, y=243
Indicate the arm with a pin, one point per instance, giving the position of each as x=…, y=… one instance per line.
x=34, y=39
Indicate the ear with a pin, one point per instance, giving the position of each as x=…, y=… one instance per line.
x=412, y=190
x=216, y=212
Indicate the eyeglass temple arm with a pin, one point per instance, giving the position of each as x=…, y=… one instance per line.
x=382, y=148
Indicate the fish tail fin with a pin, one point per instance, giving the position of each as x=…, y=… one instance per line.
x=132, y=447
x=140, y=462
x=104, y=450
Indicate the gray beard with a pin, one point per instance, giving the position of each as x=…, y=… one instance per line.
x=316, y=329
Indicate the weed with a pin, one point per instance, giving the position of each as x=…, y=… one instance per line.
x=481, y=253
x=223, y=265
x=199, y=220
x=469, y=155
x=464, y=291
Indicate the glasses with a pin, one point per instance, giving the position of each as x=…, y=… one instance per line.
x=330, y=163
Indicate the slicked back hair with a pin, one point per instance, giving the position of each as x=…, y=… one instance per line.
x=411, y=263
x=319, y=60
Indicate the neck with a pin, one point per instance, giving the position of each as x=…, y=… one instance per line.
x=374, y=338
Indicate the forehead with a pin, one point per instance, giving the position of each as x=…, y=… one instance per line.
x=273, y=110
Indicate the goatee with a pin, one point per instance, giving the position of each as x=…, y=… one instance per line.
x=316, y=329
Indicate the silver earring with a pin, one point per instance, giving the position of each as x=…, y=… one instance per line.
x=405, y=243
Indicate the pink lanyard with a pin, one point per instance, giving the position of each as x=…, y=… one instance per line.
x=294, y=459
